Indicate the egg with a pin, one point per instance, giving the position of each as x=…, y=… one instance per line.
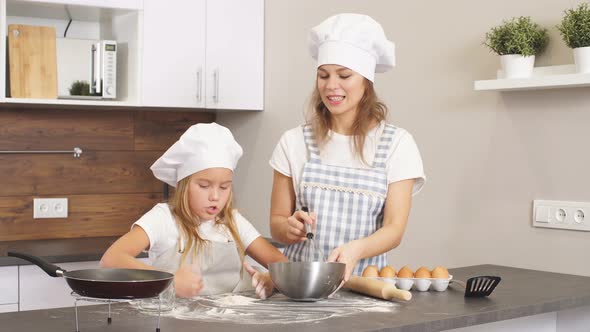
x=387, y=272
x=371, y=271
x=440, y=272
x=405, y=272
x=423, y=272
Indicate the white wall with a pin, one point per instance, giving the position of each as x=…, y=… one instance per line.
x=487, y=154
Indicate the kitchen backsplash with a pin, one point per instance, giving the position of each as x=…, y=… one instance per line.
x=108, y=187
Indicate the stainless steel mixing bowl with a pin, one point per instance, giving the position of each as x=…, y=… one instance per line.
x=307, y=281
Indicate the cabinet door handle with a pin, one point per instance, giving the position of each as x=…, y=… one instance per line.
x=216, y=82
x=199, y=85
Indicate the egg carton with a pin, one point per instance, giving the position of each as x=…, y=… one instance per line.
x=419, y=284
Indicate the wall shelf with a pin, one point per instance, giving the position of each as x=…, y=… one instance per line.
x=548, y=77
x=88, y=11
x=105, y=102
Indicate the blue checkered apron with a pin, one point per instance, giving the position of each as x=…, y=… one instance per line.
x=348, y=201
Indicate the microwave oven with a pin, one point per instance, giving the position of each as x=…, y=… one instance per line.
x=103, y=73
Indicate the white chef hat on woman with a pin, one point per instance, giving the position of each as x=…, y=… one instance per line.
x=355, y=41
x=202, y=146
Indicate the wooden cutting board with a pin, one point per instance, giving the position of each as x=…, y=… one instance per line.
x=32, y=61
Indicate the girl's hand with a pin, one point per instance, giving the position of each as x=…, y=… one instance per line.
x=260, y=281
x=187, y=283
x=296, y=225
x=347, y=253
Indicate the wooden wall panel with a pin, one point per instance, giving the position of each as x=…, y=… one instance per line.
x=159, y=130
x=108, y=187
x=63, y=130
x=88, y=216
x=93, y=172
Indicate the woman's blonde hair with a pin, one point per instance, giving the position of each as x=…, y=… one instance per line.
x=370, y=110
x=188, y=222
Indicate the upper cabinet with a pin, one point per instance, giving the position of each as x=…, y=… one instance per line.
x=173, y=53
x=203, y=54
x=235, y=54
x=51, y=44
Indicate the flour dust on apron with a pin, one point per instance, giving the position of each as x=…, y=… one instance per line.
x=219, y=265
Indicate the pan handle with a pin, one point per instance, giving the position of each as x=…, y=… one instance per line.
x=51, y=269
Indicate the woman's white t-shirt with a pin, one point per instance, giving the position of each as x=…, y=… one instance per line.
x=403, y=163
x=162, y=230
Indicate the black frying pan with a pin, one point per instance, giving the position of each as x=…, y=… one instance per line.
x=107, y=283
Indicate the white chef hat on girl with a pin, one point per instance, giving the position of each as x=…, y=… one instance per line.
x=202, y=146
x=355, y=41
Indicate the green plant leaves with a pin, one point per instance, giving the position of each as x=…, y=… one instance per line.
x=517, y=36
x=575, y=26
x=80, y=88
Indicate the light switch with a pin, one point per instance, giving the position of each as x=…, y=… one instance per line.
x=542, y=214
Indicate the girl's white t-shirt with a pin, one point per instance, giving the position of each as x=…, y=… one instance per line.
x=162, y=230
x=403, y=163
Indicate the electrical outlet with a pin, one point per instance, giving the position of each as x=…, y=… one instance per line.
x=561, y=214
x=579, y=216
x=50, y=208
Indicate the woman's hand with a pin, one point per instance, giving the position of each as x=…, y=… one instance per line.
x=296, y=225
x=260, y=281
x=187, y=283
x=347, y=253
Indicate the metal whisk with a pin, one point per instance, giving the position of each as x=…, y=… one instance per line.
x=311, y=248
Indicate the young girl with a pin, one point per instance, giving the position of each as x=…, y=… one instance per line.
x=198, y=236
x=352, y=170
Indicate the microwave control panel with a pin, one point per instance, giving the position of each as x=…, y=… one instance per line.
x=109, y=67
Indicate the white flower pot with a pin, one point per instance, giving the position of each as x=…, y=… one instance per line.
x=582, y=59
x=517, y=66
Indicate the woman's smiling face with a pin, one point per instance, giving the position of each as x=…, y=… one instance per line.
x=340, y=88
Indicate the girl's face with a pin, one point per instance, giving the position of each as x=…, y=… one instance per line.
x=340, y=88
x=209, y=191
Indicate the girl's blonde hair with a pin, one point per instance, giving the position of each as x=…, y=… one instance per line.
x=188, y=222
x=370, y=110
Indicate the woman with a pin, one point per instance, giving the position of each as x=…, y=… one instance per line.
x=198, y=236
x=354, y=172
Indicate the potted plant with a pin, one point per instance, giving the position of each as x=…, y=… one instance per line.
x=575, y=31
x=80, y=88
x=517, y=41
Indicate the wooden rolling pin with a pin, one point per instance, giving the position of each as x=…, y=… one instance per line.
x=376, y=288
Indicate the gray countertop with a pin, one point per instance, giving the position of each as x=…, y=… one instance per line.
x=521, y=293
x=63, y=250
x=57, y=250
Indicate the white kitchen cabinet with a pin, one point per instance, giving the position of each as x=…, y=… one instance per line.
x=203, y=54
x=235, y=54
x=91, y=21
x=38, y=290
x=8, y=308
x=8, y=288
x=173, y=57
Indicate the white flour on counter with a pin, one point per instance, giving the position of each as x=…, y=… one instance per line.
x=245, y=308
x=231, y=300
